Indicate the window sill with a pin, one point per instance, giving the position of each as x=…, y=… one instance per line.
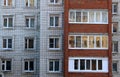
x=91, y=48
x=6, y=70
x=54, y=49
x=30, y=28
x=7, y=49
x=55, y=28
x=87, y=23
x=55, y=4
x=54, y=72
x=30, y=7
x=8, y=7
x=28, y=71
x=98, y=71
x=9, y=28
x=32, y=49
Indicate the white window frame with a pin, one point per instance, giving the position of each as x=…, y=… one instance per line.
x=88, y=22
x=114, y=4
x=54, y=17
x=88, y=42
x=5, y=64
x=27, y=38
x=72, y=59
x=114, y=46
x=53, y=71
x=35, y=3
x=54, y=48
x=7, y=17
x=29, y=22
x=7, y=38
x=28, y=60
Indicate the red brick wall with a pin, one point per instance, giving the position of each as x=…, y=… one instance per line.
x=87, y=28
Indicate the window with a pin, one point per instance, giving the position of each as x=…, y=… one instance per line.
x=88, y=42
x=7, y=2
x=54, y=20
x=114, y=46
x=8, y=21
x=114, y=27
x=54, y=43
x=54, y=65
x=6, y=65
x=28, y=65
x=114, y=67
x=54, y=1
x=30, y=22
x=7, y=43
x=30, y=3
x=29, y=43
x=82, y=16
x=114, y=8
x=85, y=64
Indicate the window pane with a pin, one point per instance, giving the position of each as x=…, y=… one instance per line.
x=4, y=2
x=114, y=67
x=98, y=16
x=82, y=64
x=88, y=64
x=32, y=3
x=32, y=22
x=104, y=42
x=10, y=22
x=26, y=66
x=78, y=41
x=0, y=75
x=71, y=41
x=72, y=17
x=51, y=66
x=51, y=21
x=51, y=43
x=56, y=21
x=31, y=43
x=91, y=16
x=4, y=43
x=56, y=42
x=5, y=22
x=93, y=64
x=115, y=46
x=56, y=1
x=25, y=43
x=84, y=41
x=26, y=2
x=3, y=67
x=9, y=2
x=99, y=64
x=52, y=1
x=85, y=17
x=56, y=65
x=91, y=41
x=76, y=64
x=98, y=42
x=8, y=65
x=115, y=27
x=31, y=66
x=104, y=17
x=78, y=16
x=9, y=43
x=27, y=22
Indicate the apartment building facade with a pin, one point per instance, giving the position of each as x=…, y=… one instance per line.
x=87, y=38
x=19, y=38
x=115, y=38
